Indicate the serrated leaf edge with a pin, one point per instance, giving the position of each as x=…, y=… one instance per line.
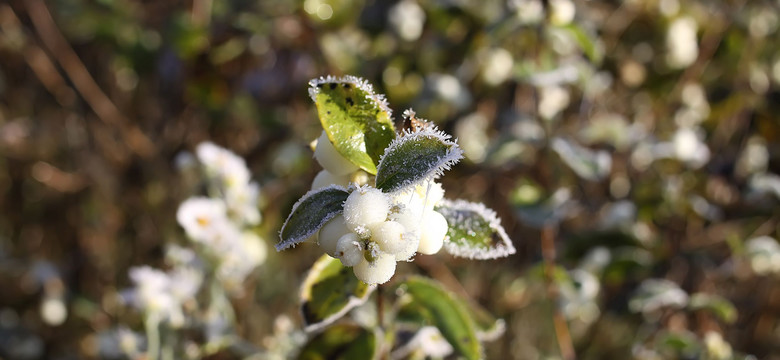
x=353, y=302
x=504, y=249
x=283, y=245
x=429, y=130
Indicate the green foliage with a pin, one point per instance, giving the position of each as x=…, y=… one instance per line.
x=414, y=158
x=341, y=342
x=329, y=292
x=310, y=213
x=357, y=121
x=440, y=308
x=474, y=231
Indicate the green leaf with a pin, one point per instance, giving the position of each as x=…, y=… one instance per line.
x=329, y=292
x=310, y=213
x=416, y=157
x=719, y=305
x=446, y=313
x=474, y=232
x=357, y=121
x=344, y=341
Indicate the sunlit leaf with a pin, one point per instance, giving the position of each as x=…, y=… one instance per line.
x=357, y=121
x=341, y=342
x=330, y=291
x=447, y=313
x=310, y=213
x=416, y=157
x=474, y=232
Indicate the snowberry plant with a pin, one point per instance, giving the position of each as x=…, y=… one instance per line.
x=376, y=203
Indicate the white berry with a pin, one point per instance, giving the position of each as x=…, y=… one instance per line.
x=349, y=250
x=434, y=230
x=330, y=159
x=331, y=233
x=388, y=235
x=325, y=178
x=378, y=271
x=364, y=207
x=410, y=220
x=411, y=241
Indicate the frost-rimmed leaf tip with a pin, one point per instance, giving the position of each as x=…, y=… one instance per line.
x=310, y=213
x=418, y=155
x=316, y=84
x=475, y=232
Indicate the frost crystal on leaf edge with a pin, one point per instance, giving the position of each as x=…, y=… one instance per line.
x=503, y=249
x=429, y=130
x=360, y=83
x=286, y=244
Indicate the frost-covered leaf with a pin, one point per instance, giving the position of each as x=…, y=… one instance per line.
x=341, y=342
x=474, y=232
x=310, y=213
x=415, y=157
x=719, y=305
x=358, y=122
x=587, y=164
x=330, y=291
x=443, y=310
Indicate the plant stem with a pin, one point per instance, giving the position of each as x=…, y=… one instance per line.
x=559, y=321
x=380, y=308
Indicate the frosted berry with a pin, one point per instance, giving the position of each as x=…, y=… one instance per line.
x=364, y=207
x=378, y=271
x=330, y=159
x=349, y=250
x=411, y=241
x=389, y=236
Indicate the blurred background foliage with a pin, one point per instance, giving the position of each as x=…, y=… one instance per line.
x=641, y=136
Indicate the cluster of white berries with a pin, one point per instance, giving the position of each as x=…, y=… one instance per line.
x=376, y=229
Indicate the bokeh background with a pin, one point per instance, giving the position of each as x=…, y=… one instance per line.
x=640, y=137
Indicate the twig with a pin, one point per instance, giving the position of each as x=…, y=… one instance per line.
x=559, y=322
x=38, y=60
x=57, y=44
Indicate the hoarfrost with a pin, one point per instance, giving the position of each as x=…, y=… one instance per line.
x=473, y=220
